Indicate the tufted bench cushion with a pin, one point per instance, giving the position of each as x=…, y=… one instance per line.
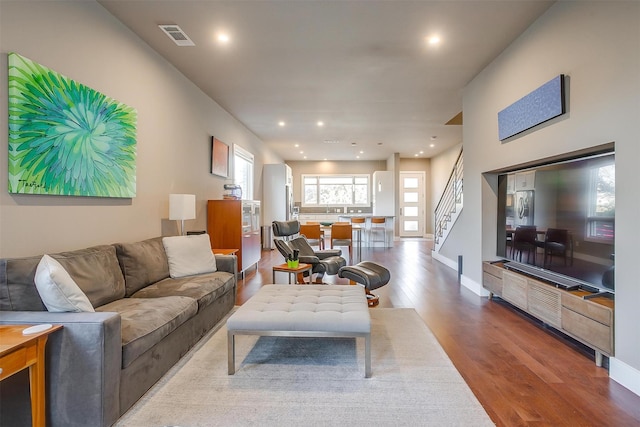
x=303, y=311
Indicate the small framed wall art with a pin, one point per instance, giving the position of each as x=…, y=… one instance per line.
x=219, y=158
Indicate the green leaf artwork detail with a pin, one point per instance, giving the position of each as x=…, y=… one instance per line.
x=65, y=138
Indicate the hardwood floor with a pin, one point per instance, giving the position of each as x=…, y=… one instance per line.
x=521, y=372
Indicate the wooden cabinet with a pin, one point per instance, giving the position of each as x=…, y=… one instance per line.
x=578, y=313
x=234, y=224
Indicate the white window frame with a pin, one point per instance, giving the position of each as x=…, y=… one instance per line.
x=339, y=175
x=246, y=182
x=592, y=217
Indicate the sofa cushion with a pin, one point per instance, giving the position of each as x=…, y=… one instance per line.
x=146, y=321
x=189, y=255
x=142, y=263
x=57, y=289
x=95, y=270
x=204, y=288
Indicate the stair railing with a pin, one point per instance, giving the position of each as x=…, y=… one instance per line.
x=451, y=196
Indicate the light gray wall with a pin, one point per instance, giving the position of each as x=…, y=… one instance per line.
x=175, y=122
x=597, y=45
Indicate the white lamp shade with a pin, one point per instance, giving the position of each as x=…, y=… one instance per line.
x=182, y=206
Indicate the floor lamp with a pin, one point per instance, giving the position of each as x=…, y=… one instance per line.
x=182, y=207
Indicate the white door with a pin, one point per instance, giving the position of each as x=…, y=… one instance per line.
x=412, y=216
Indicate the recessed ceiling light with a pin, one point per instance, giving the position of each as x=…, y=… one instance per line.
x=433, y=40
x=361, y=152
x=320, y=123
x=415, y=155
x=296, y=145
x=421, y=152
x=432, y=145
x=223, y=38
x=304, y=157
x=281, y=123
x=357, y=157
x=301, y=152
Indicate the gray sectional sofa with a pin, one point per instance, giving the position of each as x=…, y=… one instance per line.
x=101, y=363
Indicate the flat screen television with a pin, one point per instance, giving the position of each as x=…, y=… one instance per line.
x=556, y=221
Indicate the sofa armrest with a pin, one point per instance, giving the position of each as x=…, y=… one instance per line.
x=228, y=263
x=83, y=363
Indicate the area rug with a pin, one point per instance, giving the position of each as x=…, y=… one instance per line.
x=283, y=381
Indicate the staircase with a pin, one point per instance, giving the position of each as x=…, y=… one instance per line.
x=450, y=204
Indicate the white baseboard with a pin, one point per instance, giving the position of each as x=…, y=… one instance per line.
x=444, y=260
x=625, y=375
x=465, y=281
x=474, y=286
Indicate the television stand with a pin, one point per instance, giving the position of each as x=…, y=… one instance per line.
x=583, y=314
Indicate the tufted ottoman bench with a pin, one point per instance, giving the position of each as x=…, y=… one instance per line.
x=303, y=311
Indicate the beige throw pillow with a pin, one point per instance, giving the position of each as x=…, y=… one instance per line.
x=58, y=291
x=189, y=255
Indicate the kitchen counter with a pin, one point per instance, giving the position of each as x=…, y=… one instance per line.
x=342, y=215
x=346, y=217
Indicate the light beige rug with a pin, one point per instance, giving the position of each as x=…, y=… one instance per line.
x=315, y=382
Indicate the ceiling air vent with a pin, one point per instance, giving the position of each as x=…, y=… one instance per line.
x=176, y=34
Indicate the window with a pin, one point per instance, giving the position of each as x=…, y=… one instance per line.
x=243, y=171
x=331, y=190
x=602, y=204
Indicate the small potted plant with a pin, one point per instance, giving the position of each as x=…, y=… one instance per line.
x=292, y=261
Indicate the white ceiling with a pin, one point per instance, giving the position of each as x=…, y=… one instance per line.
x=361, y=66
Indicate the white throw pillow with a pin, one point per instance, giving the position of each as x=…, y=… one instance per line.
x=58, y=291
x=189, y=255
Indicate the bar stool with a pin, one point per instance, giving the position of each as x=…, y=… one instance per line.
x=360, y=221
x=378, y=226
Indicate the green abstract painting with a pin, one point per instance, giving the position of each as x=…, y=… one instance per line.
x=65, y=138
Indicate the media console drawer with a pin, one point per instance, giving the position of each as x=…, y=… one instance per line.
x=591, y=332
x=589, y=309
x=492, y=283
x=493, y=269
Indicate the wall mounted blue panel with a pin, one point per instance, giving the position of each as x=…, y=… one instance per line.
x=541, y=105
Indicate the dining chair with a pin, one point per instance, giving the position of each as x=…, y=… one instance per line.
x=556, y=242
x=525, y=239
x=342, y=235
x=313, y=234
